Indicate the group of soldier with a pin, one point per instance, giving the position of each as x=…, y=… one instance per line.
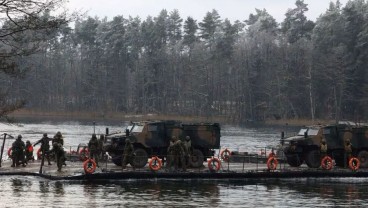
x=347, y=148
x=22, y=153
x=178, y=153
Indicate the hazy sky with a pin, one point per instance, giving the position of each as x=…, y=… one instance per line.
x=231, y=9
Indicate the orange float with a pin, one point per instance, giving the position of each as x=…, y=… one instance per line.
x=272, y=163
x=214, y=164
x=89, y=166
x=10, y=152
x=83, y=154
x=354, y=163
x=326, y=163
x=155, y=163
x=225, y=155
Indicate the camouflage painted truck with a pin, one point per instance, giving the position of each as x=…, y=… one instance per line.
x=305, y=147
x=152, y=138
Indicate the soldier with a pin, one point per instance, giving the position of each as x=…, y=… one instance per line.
x=188, y=149
x=348, y=149
x=29, y=151
x=18, y=147
x=93, y=146
x=179, y=155
x=57, y=148
x=100, y=146
x=170, y=153
x=58, y=138
x=45, y=147
x=323, y=148
x=128, y=154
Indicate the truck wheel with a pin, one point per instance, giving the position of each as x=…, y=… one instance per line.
x=313, y=159
x=197, y=158
x=116, y=159
x=140, y=158
x=294, y=160
x=363, y=158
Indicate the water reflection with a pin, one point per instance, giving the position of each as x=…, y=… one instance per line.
x=59, y=188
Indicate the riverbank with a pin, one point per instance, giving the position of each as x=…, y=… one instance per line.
x=38, y=115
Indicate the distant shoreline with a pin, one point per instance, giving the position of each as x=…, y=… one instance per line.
x=36, y=115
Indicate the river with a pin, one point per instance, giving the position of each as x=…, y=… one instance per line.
x=37, y=192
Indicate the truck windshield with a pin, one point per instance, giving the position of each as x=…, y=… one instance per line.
x=311, y=132
x=137, y=128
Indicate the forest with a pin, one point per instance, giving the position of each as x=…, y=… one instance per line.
x=245, y=70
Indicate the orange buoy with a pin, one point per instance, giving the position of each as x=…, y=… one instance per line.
x=214, y=164
x=39, y=153
x=155, y=163
x=272, y=163
x=354, y=163
x=10, y=152
x=225, y=155
x=326, y=163
x=89, y=166
x=83, y=154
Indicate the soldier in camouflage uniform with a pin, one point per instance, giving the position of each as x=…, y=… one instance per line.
x=57, y=148
x=323, y=148
x=93, y=146
x=100, y=146
x=179, y=154
x=29, y=151
x=348, y=149
x=128, y=154
x=170, y=153
x=45, y=147
x=58, y=138
x=188, y=149
x=18, y=147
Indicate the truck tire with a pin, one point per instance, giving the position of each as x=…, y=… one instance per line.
x=363, y=158
x=196, y=159
x=294, y=160
x=116, y=159
x=140, y=158
x=313, y=158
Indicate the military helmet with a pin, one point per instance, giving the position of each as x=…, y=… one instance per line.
x=58, y=133
x=19, y=136
x=28, y=142
x=94, y=135
x=187, y=138
x=45, y=135
x=323, y=140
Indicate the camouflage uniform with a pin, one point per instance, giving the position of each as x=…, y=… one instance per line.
x=348, y=149
x=170, y=153
x=323, y=148
x=57, y=148
x=58, y=138
x=93, y=146
x=29, y=151
x=178, y=152
x=100, y=146
x=18, y=152
x=45, y=147
x=188, y=149
x=128, y=154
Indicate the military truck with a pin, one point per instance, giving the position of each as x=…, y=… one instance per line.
x=305, y=147
x=152, y=138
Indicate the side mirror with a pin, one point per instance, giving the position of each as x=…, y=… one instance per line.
x=305, y=134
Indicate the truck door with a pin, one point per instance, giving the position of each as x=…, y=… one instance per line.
x=156, y=135
x=332, y=138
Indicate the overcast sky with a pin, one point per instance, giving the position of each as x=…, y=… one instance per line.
x=231, y=9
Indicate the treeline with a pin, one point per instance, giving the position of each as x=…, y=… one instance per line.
x=244, y=70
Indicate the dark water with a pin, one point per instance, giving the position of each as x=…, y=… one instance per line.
x=37, y=192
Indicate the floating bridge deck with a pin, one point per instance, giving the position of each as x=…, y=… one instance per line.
x=231, y=171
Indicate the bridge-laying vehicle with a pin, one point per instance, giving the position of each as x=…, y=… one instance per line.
x=152, y=138
x=305, y=147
